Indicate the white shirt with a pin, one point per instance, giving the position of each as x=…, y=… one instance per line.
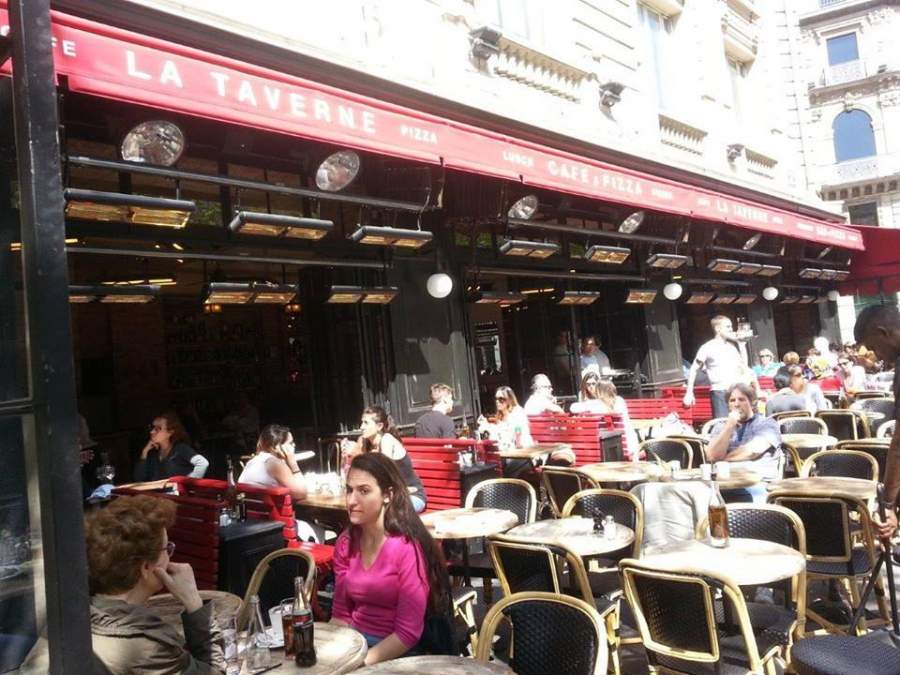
x=598, y=362
x=255, y=472
x=538, y=404
x=722, y=362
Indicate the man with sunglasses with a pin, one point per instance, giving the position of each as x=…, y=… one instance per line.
x=878, y=328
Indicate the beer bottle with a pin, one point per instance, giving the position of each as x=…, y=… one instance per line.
x=231, y=491
x=303, y=629
x=718, y=518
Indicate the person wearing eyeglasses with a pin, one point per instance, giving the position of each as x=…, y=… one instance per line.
x=599, y=396
x=168, y=452
x=542, y=400
x=851, y=376
x=767, y=366
x=129, y=560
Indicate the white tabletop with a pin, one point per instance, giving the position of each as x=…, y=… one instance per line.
x=465, y=523
x=623, y=472
x=533, y=451
x=339, y=649
x=575, y=533
x=435, y=665
x=809, y=440
x=822, y=486
x=747, y=562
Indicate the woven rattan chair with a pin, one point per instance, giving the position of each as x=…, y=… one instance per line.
x=273, y=580
x=512, y=494
x=668, y=450
x=878, y=452
x=698, y=448
x=843, y=463
x=709, y=425
x=845, y=425
x=843, y=654
x=795, y=459
x=550, y=633
x=883, y=405
x=686, y=629
x=624, y=507
x=831, y=553
x=887, y=429
x=802, y=425
x=561, y=482
x=789, y=414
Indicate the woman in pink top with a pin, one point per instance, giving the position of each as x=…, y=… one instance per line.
x=387, y=568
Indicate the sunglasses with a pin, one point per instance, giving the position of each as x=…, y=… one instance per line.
x=500, y=399
x=843, y=363
x=591, y=383
x=765, y=356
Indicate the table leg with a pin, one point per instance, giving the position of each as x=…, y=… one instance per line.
x=467, y=580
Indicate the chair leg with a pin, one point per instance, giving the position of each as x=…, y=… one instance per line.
x=612, y=639
x=488, y=588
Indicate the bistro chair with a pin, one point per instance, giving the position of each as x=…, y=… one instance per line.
x=790, y=414
x=671, y=510
x=273, y=580
x=551, y=633
x=842, y=463
x=796, y=459
x=886, y=430
x=776, y=524
x=868, y=395
x=831, y=529
x=683, y=627
x=709, y=425
x=561, y=482
x=802, y=425
x=512, y=494
x=877, y=450
x=623, y=506
x=883, y=405
x=842, y=654
x=845, y=425
x=698, y=448
x=668, y=450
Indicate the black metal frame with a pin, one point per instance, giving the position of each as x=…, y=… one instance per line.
x=52, y=464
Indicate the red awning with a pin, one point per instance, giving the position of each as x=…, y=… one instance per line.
x=118, y=64
x=877, y=269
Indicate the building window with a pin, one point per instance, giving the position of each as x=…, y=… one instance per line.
x=657, y=30
x=521, y=19
x=853, y=136
x=864, y=214
x=842, y=49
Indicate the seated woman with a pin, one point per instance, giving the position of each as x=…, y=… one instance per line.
x=378, y=435
x=168, y=452
x=512, y=430
x=387, y=569
x=128, y=554
x=600, y=396
x=274, y=463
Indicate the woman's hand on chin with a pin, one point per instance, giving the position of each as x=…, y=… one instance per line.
x=178, y=579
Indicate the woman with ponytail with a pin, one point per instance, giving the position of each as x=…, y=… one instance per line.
x=388, y=570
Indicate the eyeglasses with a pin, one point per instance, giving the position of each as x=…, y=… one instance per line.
x=765, y=356
x=500, y=399
x=169, y=549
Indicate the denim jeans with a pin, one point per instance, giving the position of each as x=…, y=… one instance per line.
x=719, y=404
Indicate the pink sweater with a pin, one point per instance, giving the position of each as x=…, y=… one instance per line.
x=389, y=597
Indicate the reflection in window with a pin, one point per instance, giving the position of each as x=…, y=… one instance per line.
x=853, y=136
x=842, y=49
x=863, y=214
x=657, y=29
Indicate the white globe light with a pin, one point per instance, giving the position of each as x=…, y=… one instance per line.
x=834, y=296
x=439, y=285
x=672, y=291
x=770, y=293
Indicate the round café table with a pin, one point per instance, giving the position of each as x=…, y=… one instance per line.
x=807, y=441
x=747, y=562
x=623, y=472
x=534, y=451
x=738, y=478
x=166, y=607
x=468, y=523
x=822, y=486
x=577, y=534
x=435, y=665
x=339, y=649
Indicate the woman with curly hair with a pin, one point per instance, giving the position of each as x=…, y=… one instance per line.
x=168, y=452
x=129, y=560
x=388, y=570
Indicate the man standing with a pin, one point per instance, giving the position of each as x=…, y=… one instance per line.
x=592, y=358
x=748, y=439
x=723, y=363
x=436, y=423
x=878, y=328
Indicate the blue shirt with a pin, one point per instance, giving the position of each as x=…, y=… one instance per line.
x=758, y=426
